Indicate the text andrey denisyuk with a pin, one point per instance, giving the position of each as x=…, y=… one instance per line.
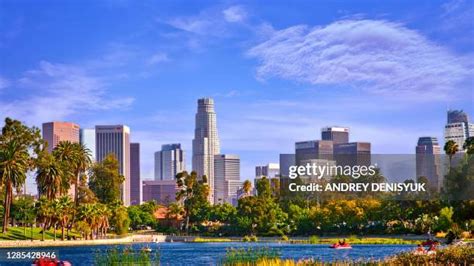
x=319, y=171
x=358, y=187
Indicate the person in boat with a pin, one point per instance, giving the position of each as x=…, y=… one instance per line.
x=342, y=243
x=420, y=248
x=432, y=248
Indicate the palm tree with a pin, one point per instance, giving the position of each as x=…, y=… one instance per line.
x=14, y=163
x=451, y=148
x=16, y=140
x=49, y=176
x=469, y=145
x=76, y=159
x=56, y=214
x=64, y=154
x=44, y=213
x=67, y=209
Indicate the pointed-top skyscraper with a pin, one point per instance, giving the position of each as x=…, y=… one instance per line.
x=206, y=142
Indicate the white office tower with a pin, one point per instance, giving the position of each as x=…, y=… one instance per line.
x=458, y=128
x=205, y=142
x=115, y=139
x=169, y=162
x=226, y=178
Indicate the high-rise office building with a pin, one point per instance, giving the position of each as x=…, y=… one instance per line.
x=115, y=139
x=270, y=170
x=169, y=162
x=55, y=132
x=286, y=160
x=338, y=135
x=206, y=142
x=161, y=191
x=353, y=153
x=313, y=149
x=457, y=116
x=87, y=138
x=458, y=128
x=135, y=183
x=226, y=177
x=428, y=161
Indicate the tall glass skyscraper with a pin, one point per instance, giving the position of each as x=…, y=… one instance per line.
x=115, y=139
x=169, y=162
x=87, y=138
x=135, y=183
x=428, y=161
x=205, y=142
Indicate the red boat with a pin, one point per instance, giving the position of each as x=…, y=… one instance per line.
x=430, y=243
x=343, y=246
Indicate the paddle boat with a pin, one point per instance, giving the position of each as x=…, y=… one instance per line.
x=341, y=246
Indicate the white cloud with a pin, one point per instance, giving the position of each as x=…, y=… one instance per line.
x=375, y=55
x=4, y=83
x=209, y=22
x=57, y=91
x=234, y=14
x=158, y=58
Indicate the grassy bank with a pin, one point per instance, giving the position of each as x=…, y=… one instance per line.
x=317, y=240
x=21, y=233
x=461, y=255
x=364, y=241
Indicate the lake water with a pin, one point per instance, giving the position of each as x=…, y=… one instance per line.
x=212, y=253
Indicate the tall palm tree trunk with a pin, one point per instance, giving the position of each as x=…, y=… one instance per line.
x=7, y=207
x=62, y=231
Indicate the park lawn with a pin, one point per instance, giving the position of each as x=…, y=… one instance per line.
x=18, y=233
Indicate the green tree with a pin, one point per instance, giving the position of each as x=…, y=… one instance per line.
x=49, y=175
x=16, y=141
x=66, y=212
x=224, y=213
x=75, y=159
x=445, y=219
x=193, y=195
x=469, y=145
x=44, y=213
x=106, y=181
x=23, y=210
x=451, y=148
x=120, y=220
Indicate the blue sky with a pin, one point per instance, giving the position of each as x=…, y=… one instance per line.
x=279, y=71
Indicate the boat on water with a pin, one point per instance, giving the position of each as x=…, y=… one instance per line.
x=147, y=249
x=341, y=246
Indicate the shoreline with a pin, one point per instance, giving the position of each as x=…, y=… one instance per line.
x=70, y=243
x=152, y=238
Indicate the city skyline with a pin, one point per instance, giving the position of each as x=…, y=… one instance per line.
x=31, y=186
x=147, y=71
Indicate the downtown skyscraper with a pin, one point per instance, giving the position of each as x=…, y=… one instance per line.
x=169, y=162
x=115, y=139
x=428, y=161
x=55, y=132
x=458, y=128
x=135, y=182
x=206, y=142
